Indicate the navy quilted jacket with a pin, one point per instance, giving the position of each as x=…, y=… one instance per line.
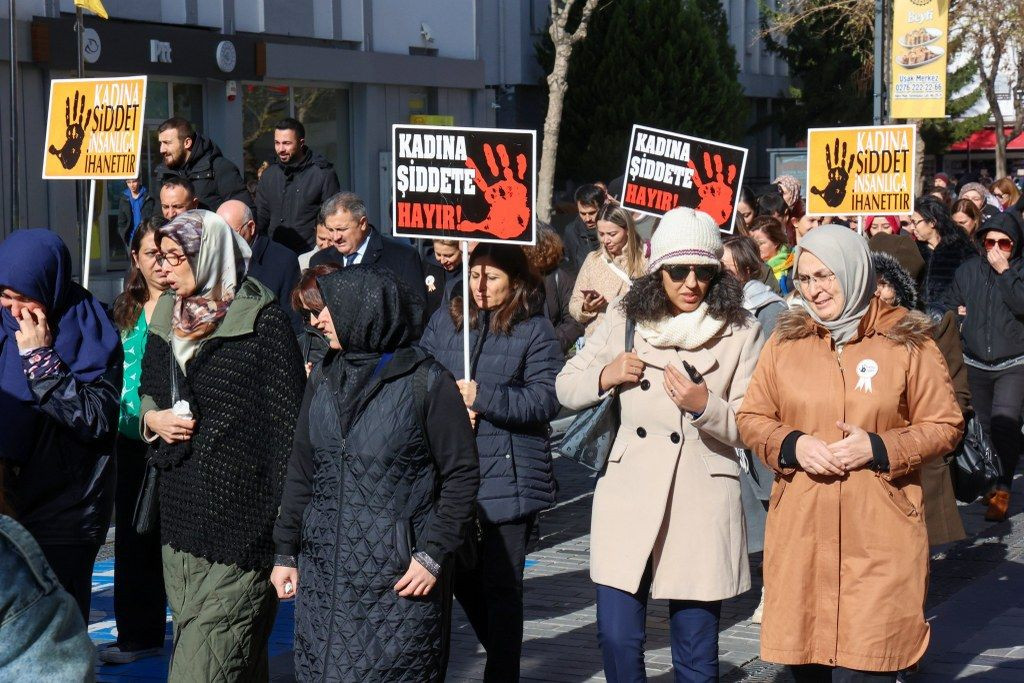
x=515, y=402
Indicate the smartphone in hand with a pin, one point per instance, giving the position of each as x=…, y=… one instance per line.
x=695, y=376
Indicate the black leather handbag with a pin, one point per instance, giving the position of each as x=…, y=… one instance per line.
x=975, y=467
x=147, y=508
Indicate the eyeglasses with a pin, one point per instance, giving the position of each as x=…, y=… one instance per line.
x=679, y=272
x=904, y=224
x=1003, y=243
x=174, y=258
x=998, y=195
x=805, y=281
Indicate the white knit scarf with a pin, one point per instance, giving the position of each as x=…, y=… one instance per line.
x=686, y=331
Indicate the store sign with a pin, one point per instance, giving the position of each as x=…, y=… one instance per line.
x=665, y=170
x=918, y=59
x=155, y=49
x=464, y=183
x=861, y=171
x=94, y=128
x=432, y=119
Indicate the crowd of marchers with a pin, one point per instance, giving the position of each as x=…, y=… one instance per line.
x=277, y=407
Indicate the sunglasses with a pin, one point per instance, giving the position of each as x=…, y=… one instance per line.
x=679, y=272
x=1003, y=243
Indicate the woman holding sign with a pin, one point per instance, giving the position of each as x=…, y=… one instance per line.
x=511, y=399
x=846, y=548
x=668, y=520
x=607, y=273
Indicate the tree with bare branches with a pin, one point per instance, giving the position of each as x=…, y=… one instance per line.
x=995, y=33
x=564, y=40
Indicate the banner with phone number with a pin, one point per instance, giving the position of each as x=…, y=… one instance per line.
x=918, y=59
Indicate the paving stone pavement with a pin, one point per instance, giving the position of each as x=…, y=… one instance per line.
x=975, y=606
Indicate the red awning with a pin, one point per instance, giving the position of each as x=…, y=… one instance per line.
x=985, y=141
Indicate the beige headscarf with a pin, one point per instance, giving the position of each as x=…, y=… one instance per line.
x=846, y=254
x=219, y=258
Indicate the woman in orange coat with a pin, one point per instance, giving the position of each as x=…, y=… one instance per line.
x=846, y=549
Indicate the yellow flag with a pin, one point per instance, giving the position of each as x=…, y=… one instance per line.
x=94, y=6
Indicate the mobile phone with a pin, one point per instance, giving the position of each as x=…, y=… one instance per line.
x=695, y=376
x=590, y=293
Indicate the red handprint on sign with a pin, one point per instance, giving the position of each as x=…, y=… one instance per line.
x=715, y=192
x=510, y=211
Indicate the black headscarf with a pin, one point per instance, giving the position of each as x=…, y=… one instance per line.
x=373, y=314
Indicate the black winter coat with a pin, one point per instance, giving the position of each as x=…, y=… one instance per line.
x=515, y=401
x=558, y=286
x=289, y=197
x=940, y=265
x=579, y=241
x=277, y=268
x=220, y=491
x=387, y=252
x=214, y=177
x=993, y=329
x=64, y=493
x=356, y=508
x=124, y=216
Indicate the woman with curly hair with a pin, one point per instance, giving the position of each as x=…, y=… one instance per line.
x=943, y=246
x=667, y=519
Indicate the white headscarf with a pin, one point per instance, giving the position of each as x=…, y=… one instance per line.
x=846, y=254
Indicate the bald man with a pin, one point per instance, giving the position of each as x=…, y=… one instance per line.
x=272, y=264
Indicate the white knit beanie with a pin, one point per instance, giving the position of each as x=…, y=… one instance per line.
x=685, y=236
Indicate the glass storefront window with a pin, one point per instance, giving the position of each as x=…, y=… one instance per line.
x=187, y=102
x=262, y=107
x=323, y=111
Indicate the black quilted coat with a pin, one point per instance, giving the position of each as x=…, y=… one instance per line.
x=356, y=507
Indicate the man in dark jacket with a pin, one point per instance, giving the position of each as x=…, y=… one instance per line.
x=189, y=155
x=292, y=189
x=134, y=205
x=355, y=241
x=272, y=264
x=580, y=236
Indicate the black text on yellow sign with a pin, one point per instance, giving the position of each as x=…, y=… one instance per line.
x=94, y=128
x=861, y=171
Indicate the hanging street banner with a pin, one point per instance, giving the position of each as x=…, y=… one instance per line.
x=920, y=36
x=94, y=128
x=861, y=171
x=464, y=183
x=665, y=170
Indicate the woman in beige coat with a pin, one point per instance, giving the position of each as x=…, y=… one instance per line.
x=606, y=274
x=667, y=519
x=849, y=398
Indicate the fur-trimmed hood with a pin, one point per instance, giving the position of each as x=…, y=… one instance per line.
x=889, y=269
x=902, y=326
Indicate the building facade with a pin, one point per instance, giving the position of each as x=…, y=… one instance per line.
x=348, y=69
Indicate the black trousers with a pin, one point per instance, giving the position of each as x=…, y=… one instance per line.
x=998, y=397
x=818, y=673
x=73, y=566
x=491, y=594
x=140, y=605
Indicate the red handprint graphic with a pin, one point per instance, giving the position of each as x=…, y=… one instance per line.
x=510, y=212
x=715, y=192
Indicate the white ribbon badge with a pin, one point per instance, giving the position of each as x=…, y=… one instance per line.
x=866, y=369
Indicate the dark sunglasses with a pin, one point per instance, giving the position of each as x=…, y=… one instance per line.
x=1003, y=243
x=679, y=272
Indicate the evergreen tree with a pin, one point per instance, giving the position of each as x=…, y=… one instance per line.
x=830, y=68
x=661, y=63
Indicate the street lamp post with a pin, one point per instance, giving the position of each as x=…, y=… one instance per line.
x=13, y=45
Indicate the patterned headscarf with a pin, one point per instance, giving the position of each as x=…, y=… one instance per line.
x=790, y=188
x=219, y=259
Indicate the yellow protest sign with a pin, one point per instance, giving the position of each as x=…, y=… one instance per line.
x=920, y=36
x=94, y=128
x=861, y=171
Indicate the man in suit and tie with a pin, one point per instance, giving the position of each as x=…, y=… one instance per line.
x=355, y=241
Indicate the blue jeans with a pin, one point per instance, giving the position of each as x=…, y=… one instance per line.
x=621, y=631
